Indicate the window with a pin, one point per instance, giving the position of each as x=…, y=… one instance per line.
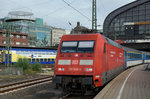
x=37, y=60
x=24, y=37
x=4, y=42
x=4, y=35
x=41, y=60
x=69, y=46
x=135, y=13
x=45, y=60
x=86, y=46
x=141, y=12
x=17, y=43
x=33, y=60
x=53, y=60
x=147, y=56
x=134, y=56
x=12, y=43
x=11, y=36
x=17, y=36
x=77, y=46
x=23, y=43
x=49, y=60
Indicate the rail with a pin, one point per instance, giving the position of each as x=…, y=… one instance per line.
x=23, y=84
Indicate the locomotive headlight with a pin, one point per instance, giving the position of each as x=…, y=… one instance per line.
x=89, y=69
x=97, y=76
x=61, y=69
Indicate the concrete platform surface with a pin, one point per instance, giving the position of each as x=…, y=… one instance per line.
x=133, y=83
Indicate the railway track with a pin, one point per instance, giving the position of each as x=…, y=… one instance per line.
x=68, y=96
x=23, y=84
x=77, y=96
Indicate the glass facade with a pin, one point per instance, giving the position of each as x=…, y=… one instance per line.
x=133, y=13
x=43, y=36
x=39, y=34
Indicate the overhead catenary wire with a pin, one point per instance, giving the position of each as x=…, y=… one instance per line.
x=56, y=10
x=76, y=10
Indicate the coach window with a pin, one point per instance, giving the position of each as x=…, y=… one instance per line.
x=53, y=60
x=45, y=60
x=148, y=56
x=33, y=60
x=129, y=55
x=49, y=60
x=37, y=60
x=137, y=56
x=41, y=60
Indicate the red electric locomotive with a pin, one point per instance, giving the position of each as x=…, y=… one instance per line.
x=87, y=61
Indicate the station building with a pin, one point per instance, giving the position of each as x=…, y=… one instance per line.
x=56, y=34
x=129, y=23
x=36, y=31
x=16, y=39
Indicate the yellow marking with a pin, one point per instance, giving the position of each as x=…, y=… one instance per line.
x=133, y=52
x=141, y=23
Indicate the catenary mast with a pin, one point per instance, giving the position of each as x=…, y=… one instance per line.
x=94, y=16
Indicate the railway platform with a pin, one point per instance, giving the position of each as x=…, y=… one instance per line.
x=134, y=83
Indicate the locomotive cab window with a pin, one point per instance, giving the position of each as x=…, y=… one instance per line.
x=86, y=46
x=69, y=46
x=77, y=46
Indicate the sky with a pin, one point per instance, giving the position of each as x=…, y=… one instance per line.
x=59, y=14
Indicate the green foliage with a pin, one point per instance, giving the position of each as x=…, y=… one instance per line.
x=27, y=67
x=36, y=67
x=29, y=72
x=23, y=63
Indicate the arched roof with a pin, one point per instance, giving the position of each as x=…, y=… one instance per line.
x=116, y=12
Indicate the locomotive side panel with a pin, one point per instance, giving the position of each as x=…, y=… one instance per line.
x=114, y=62
x=99, y=60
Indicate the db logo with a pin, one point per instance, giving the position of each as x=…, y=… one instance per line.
x=75, y=62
